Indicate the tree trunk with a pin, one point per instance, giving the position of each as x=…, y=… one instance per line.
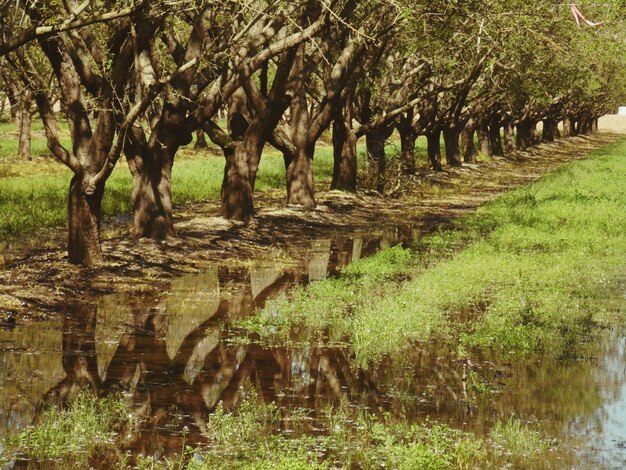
x=201, y=142
x=13, y=101
x=453, y=149
x=509, y=138
x=467, y=142
x=524, y=135
x=237, y=187
x=300, y=184
x=434, y=149
x=151, y=199
x=594, y=125
x=344, y=154
x=24, y=127
x=484, y=144
x=83, y=244
x=569, y=127
x=151, y=195
x=548, y=134
x=532, y=133
x=408, y=135
x=586, y=125
x=375, y=142
x=495, y=139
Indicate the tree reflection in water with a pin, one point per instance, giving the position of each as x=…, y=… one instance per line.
x=177, y=355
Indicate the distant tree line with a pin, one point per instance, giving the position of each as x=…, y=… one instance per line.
x=138, y=78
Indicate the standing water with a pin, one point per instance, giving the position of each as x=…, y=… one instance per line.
x=178, y=355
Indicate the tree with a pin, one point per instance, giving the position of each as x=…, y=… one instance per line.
x=90, y=69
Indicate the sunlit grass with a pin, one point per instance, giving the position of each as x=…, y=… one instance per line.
x=34, y=194
x=9, y=140
x=71, y=437
x=523, y=274
x=90, y=431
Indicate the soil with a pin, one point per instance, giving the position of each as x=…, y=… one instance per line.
x=40, y=281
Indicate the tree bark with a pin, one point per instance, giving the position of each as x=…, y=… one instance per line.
x=201, y=142
x=548, y=134
x=237, y=185
x=24, y=127
x=524, y=135
x=495, y=138
x=344, y=153
x=408, y=135
x=300, y=183
x=434, y=149
x=151, y=194
x=467, y=142
x=532, y=132
x=509, y=138
x=484, y=144
x=453, y=149
x=375, y=142
x=585, y=125
x=569, y=127
x=594, y=125
x=13, y=102
x=84, y=224
x=151, y=199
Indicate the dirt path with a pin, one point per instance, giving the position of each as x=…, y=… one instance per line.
x=44, y=282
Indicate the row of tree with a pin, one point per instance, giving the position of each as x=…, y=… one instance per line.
x=138, y=78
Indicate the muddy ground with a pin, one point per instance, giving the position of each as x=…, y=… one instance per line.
x=40, y=281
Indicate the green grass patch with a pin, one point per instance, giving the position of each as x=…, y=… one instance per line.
x=250, y=438
x=9, y=139
x=75, y=437
x=526, y=273
x=89, y=433
x=29, y=202
x=359, y=439
x=33, y=195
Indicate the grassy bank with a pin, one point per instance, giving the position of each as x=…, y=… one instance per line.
x=92, y=432
x=522, y=274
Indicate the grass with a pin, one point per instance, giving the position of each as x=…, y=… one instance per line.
x=525, y=274
x=34, y=194
x=30, y=202
x=90, y=433
x=74, y=437
x=358, y=439
x=9, y=139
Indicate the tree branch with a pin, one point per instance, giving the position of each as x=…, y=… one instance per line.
x=35, y=32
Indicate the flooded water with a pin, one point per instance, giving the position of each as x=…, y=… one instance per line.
x=177, y=355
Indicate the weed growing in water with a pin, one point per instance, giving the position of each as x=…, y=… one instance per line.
x=249, y=437
x=75, y=437
x=355, y=438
